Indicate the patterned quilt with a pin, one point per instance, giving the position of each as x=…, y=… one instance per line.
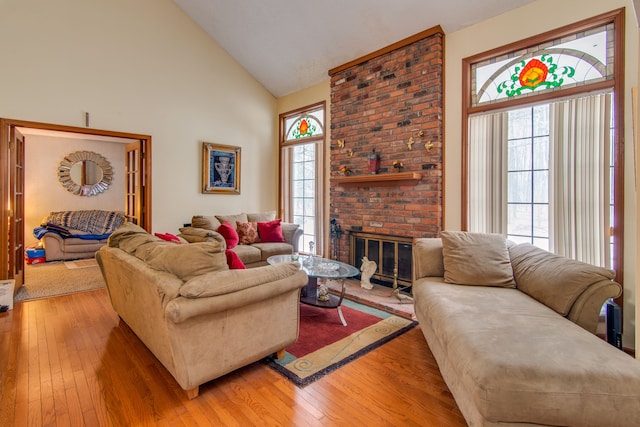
x=94, y=222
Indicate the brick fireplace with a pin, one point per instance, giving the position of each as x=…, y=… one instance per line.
x=390, y=101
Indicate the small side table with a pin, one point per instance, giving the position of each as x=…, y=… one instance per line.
x=321, y=269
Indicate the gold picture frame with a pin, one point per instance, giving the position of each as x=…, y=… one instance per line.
x=220, y=169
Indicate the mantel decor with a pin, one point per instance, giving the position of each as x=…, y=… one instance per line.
x=220, y=169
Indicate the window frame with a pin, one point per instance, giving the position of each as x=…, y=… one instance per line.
x=320, y=140
x=616, y=85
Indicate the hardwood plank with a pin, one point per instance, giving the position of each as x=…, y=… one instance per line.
x=101, y=374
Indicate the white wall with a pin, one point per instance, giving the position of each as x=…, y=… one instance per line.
x=43, y=191
x=142, y=67
x=536, y=18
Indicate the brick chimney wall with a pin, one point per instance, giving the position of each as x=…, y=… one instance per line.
x=380, y=104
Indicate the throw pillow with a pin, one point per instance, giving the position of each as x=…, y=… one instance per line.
x=230, y=234
x=232, y=218
x=168, y=237
x=233, y=260
x=476, y=259
x=206, y=222
x=247, y=232
x=262, y=216
x=270, y=231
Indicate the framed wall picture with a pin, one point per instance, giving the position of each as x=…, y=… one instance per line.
x=220, y=169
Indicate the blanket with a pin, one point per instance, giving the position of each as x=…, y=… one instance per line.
x=89, y=224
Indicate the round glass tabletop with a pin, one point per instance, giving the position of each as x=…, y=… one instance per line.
x=318, y=267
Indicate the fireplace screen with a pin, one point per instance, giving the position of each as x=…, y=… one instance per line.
x=389, y=253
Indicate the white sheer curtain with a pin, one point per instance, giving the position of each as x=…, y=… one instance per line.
x=488, y=165
x=579, y=181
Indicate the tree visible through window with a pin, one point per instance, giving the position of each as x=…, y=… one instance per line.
x=528, y=176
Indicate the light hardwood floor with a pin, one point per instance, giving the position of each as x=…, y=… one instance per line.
x=69, y=361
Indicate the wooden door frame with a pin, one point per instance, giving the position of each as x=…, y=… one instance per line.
x=6, y=124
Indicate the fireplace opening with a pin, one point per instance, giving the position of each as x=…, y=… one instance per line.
x=392, y=255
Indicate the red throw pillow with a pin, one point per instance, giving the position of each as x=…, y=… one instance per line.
x=270, y=231
x=248, y=232
x=168, y=237
x=233, y=260
x=230, y=234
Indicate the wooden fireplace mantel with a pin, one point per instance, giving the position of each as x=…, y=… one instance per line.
x=379, y=180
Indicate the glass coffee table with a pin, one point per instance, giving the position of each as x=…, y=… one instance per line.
x=320, y=268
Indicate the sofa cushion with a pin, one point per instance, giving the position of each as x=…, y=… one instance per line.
x=247, y=232
x=262, y=216
x=520, y=362
x=232, y=219
x=248, y=253
x=553, y=280
x=270, y=231
x=206, y=222
x=273, y=248
x=187, y=261
x=476, y=259
x=224, y=282
x=230, y=234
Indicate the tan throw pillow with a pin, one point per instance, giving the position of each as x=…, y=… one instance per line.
x=247, y=232
x=476, y=259
x=187, y=261
x=232, y=219
x=261, y=217
x=206, y=222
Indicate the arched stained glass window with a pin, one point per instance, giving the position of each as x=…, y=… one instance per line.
x=301, y=173
x=582, y=58
x=305, y=125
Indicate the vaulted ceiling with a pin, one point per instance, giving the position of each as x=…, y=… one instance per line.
x=289, y=45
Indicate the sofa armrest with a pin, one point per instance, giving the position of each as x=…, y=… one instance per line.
x=196, y=235
x=427, y=258
x=292, y=233
x=585, y=311
x=184, y=308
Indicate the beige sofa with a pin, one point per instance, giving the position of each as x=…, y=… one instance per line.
x=204, y=228
x=200, y=319
x=516, y=346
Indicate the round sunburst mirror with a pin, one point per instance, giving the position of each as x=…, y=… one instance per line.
x=85, y=173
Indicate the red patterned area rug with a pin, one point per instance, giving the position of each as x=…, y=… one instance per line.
x=325, y=345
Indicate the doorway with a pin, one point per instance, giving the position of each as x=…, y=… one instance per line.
x=137, y=193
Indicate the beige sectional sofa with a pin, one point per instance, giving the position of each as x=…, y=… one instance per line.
x=200, y=319
x=204, y=228
x=512, y=329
